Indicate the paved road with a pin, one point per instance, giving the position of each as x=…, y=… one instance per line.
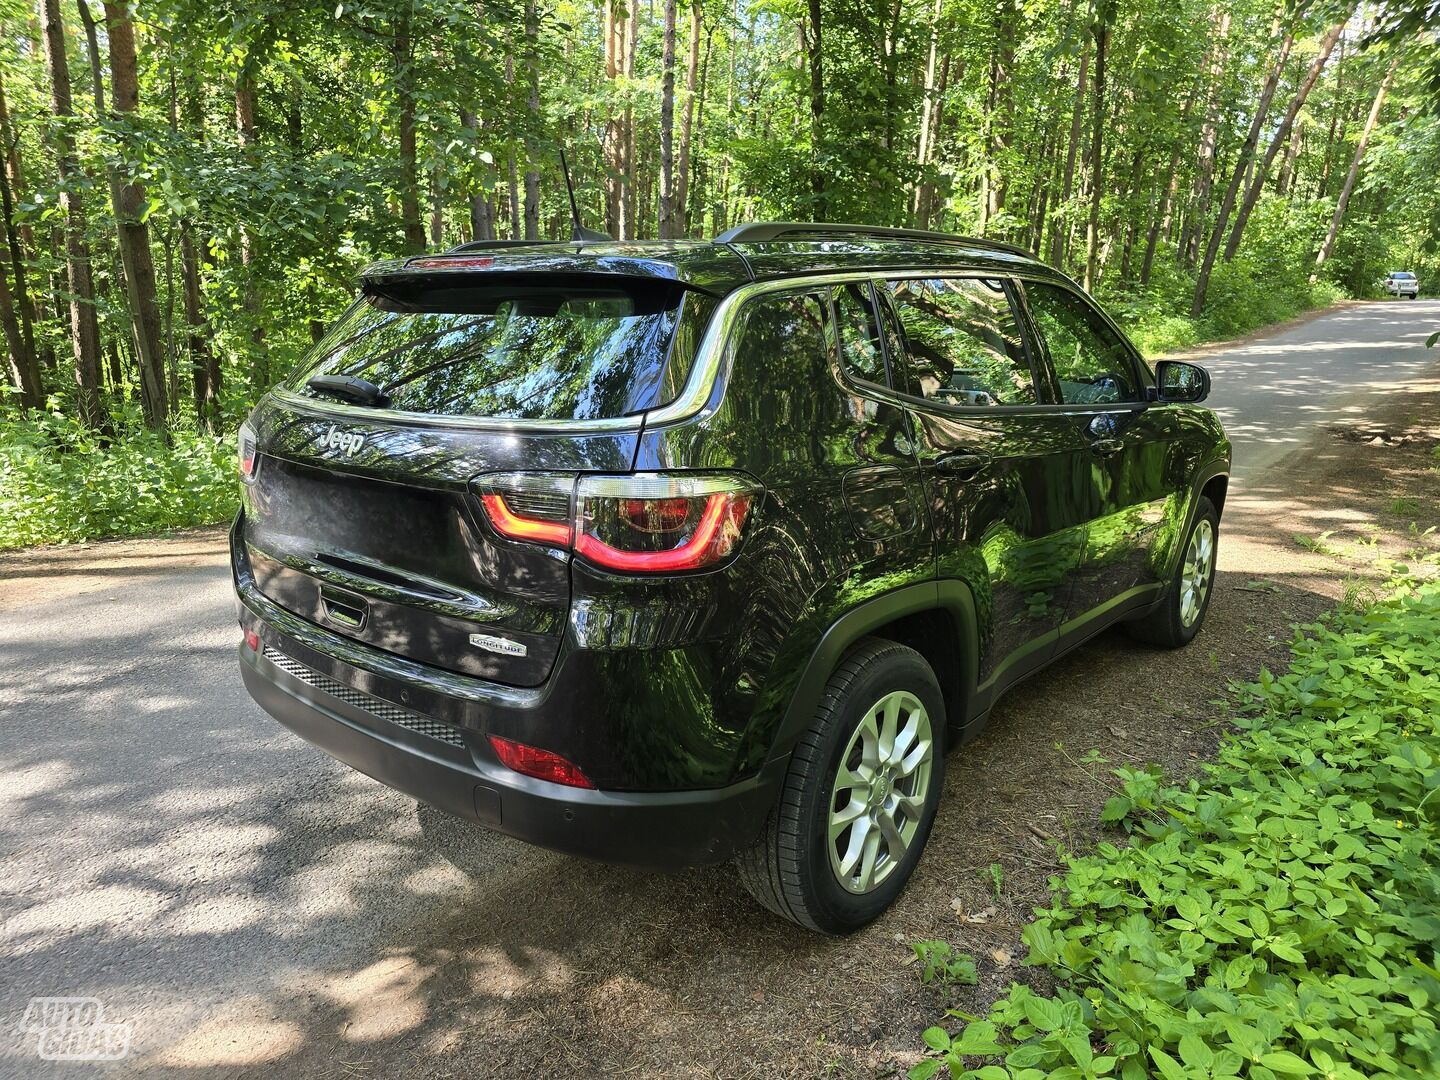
x=1272, y=392
x=239, y=899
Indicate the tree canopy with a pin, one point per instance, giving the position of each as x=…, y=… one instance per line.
x=190, y=188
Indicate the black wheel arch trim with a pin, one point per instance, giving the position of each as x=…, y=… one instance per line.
x=951, y=596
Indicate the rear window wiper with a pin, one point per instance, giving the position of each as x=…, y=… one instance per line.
x=349, y=387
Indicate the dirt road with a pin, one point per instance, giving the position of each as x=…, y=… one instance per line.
x=249, y=907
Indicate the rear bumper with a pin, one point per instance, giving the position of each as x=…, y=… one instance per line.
x=647, y=830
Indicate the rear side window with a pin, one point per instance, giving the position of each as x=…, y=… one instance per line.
x=508, y=349
x=964, y=342
x=785, y=333
x=1092, y=364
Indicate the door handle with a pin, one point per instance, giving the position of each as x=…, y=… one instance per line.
x=1106, y=447
x=961, y=466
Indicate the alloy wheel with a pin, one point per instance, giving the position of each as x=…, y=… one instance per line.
x=1196, y=572
x=880, y=791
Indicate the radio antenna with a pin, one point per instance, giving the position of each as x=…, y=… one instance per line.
x=578, y=232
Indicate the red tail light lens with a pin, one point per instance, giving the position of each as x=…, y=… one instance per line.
x=649, y=523
x=654, y=515
x=534, y=507
x=246, y=451
x=541, y=764
x=517, y=527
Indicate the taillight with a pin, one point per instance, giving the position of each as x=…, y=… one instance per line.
x=541, y=764
x=535, y=507
x=245, y=449
x=641, y=523
x=655, y=523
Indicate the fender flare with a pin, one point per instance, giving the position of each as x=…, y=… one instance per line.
x=1203, y=475
x=950, y=595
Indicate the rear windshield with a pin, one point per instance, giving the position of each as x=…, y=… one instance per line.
x=1403, y=275
x=511, y=350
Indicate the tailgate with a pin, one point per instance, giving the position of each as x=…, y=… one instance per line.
x=370, y=529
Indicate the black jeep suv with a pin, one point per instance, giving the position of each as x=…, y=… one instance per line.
x=675, y=553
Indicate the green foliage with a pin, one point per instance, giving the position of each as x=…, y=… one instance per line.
x=1243, y=296
x=997, y=878
x=59, y=483
x=941, y=964
x=1276, y=917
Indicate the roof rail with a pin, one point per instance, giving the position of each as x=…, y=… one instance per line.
x=761, y=232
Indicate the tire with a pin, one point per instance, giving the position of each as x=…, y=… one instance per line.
x=1180, y=614
x=790, y=870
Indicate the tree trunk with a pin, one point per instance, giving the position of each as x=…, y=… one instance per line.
x=532, y=78
x=631, y=190
x=1057, y=236
x=84, y=326
x=404, y=75
x=1282, y=134
x=1336, y=119
x=927, y=108
x=1001, y=121
x=134, y=233
x=1162, y=219
x=482, y=211
x=1105, y=17
x=1370, y=121
x=666, y=212
x=246, y=128
x=24, y=363
x=815, y=58
x=1209, y=136
x=1246, y=159
x=1292, y=152
x=613, y=139
x=687, y=122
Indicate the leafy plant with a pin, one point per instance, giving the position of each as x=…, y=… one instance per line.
x=941, y=964
x=1318, y=544
x=59, y=483
x=1275, y=917
x=997, y=878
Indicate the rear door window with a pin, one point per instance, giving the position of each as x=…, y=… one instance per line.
x=508, y=349
x=858, y=327
x=963, y=340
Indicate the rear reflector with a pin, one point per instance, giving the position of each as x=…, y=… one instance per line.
x=541, y=764
x=252, y=641
x=647, y=523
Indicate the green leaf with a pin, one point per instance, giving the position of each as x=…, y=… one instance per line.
x=937, y=1038
x=925, y=1069
x=1283, y=1061
x=1170, y=1069
x=1044, y=1013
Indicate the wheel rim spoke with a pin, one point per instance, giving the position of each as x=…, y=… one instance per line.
x=880, y=791
x=917, y=757
x=895, y=843
x=869, y=854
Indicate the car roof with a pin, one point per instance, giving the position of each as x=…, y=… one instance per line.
x=763, y=252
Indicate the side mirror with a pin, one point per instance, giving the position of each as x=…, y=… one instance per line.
x=1179, y=382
